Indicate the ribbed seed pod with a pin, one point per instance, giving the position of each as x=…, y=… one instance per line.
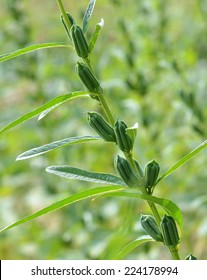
x=79, y=41
x=98, y=123
x=151, y=173
x=71, y=20
x=190, y=257
x=123, y=140
x=88, y=79
x=149, y=224
x=169, y=230
x=127, y=173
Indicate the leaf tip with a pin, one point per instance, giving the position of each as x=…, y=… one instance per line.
x=101, y=23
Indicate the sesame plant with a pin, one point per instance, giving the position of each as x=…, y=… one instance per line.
x=130, y=179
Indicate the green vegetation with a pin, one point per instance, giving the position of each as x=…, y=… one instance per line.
x=146, y=66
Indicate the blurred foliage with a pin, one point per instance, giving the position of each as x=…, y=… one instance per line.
x=151, y=58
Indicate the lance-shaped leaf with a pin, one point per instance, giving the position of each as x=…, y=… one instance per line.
x=55, y=102
x=88, y=14
x=32, y=48
x=55, y=145
x=133, y=245
x=64, y=202
x=132, y=132
x=183, y=160
x=70, y=172
x=95, y=35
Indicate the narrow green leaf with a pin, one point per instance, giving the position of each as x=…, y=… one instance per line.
x=55, y=145
x=70, y=172
x=132, y=132
x=64, y=202
x=95, y=35
x=171, y=208
x=57, y=101
x=133, y=245
x=183, y=160
x=88, y=14
x=32, y=48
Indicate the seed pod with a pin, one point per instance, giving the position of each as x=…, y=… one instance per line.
x=71, y=20
x=123, y=140
x=169, y=230
x=190, y=257
x=79, y=41
x=88, y=79
x=149, y=224
x=151, y=173
x=98, y=123
x=127, y=173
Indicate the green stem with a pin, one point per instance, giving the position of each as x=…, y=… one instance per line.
x=63, y=12
x=106, y=109
x=155, y=212
x=88, y=62
x=130, y=159
x=174, y=252
x=101, y=97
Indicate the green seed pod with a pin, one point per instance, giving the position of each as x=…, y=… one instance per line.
x=79, y=41
x=98, y=123
x=88, y=79
x=190, y=257
x=71, y=20
x=169, y=230
x=127, y=173
x=151, y=173
x=149, y=224
x=123, y=140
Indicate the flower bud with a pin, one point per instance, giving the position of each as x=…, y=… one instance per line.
x=123, y=140
x=149, y=224
x=88, y=79
x=98, y=123
x=127, y=173
x=190, y=257
x=151, y=173
x=79, y=41
x=169, y=231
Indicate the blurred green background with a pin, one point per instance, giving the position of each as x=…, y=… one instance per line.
x=151, y=59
